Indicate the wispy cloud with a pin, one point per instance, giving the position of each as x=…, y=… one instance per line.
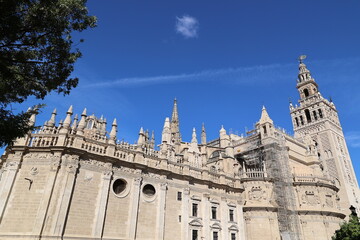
x=353, y=139
x=264, y=74
x=187, y=26
x=234, y=75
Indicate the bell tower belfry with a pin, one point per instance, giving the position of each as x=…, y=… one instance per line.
x=318, y=118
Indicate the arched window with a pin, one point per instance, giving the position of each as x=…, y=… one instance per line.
x=90, y=124
x=306, y=92
x=297, y=121
x=308, y=116
x=315, y=115
x=301, y=120
x=320, y=113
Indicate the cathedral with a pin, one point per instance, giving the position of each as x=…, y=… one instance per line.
x=75, y=180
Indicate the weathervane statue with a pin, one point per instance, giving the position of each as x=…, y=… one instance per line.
x=301, y=58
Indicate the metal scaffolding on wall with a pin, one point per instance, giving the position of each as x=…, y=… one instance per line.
x=277, y=160
x=274, y=158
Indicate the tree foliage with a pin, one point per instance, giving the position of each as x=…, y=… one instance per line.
x=349, y=230
x=37, y=54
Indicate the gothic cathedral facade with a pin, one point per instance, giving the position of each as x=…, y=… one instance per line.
x=74, y=180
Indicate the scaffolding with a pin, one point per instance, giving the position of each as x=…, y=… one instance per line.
x=274, y=157
x=277, y=160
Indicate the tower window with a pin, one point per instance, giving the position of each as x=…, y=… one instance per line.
x=320, y=113
x=265, y=132
x=231, y=215
x=233, y=236
x=194, y=234
x=301, y=120
x=306, y=92
x=308, y=116
x=215, y=235
x=315, y=115
x=213, y=212
x=297, y=121
x=179, y=196
x=194, y=210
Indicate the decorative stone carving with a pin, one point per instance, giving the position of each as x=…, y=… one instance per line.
x=310, y=198
x=71, y=162
x=329, y=201
x=88, y=176
x=107, y=174
x=16, y=155
x=34, y=171
x=12, y=165
x=257, y=194
x=71, y=168
x=137, y=181
x=163, y=186
x=186, y=191
x=55, y=163
x=154, y=175
x=128, y=170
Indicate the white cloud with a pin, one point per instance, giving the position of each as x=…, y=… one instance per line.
x=353, y=139
x=187, y=26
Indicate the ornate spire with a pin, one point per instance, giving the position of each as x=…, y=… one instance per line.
x=166, y=133
x=265, y=118
x=304, y=73
x=193, y=138
x=52, y=120
x=141, y=139
x=203, y=134
x=175, y=128
x=103, y=126
x=152, y=141
x=67, y=120
x=32, y=118
x=222, y=131
x=147, y=139
x=113, y=132
x=82, y=122
x=194, y=143
x=74, y=124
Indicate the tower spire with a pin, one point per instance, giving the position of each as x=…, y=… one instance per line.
x=265, y=118
x=175, y=128
x=166, y=133
x=203, y=134
x=52, y=120
x=113, y=132
x=152, y=141
x=306, y=84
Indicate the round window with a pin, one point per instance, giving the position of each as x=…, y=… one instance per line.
x=149, y=190
x=119, y=186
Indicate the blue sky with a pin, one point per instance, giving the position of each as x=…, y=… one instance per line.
x=222, y=60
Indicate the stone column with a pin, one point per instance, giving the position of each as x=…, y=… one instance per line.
x=45, y=201
x=241, y=222
x=161, y=212
x=70, y=165
x=7, y=181
x=206, y=216
x=134, y=208
x=102, y=203
x=185, y=215
x=224, y=211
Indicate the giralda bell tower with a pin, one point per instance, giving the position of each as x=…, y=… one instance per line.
x=318, y=117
